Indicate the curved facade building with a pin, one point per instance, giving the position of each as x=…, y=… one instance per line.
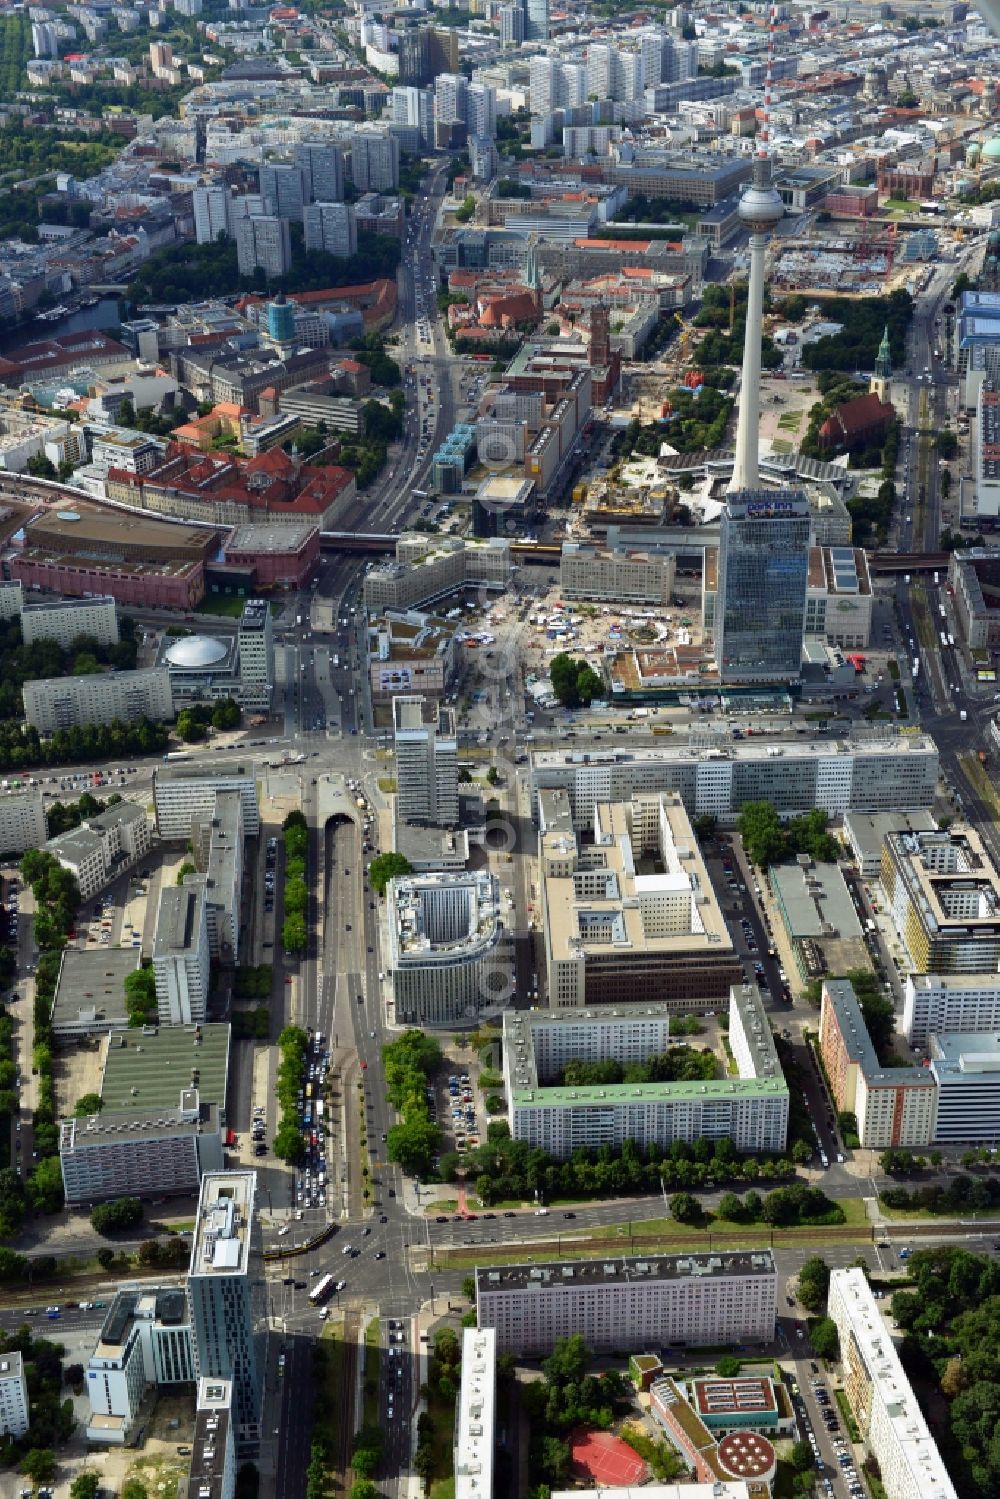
x=447, y=960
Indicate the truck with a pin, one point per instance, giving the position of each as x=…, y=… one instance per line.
x=177, y=755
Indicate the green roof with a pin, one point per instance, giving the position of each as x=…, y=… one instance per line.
x=158, y=1064
x=619, y=1093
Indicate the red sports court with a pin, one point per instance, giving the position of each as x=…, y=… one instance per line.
x=605, y=1459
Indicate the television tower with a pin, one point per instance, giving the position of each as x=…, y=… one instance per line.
x=761, y=209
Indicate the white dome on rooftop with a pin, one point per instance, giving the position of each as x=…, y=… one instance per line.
x=195, y=651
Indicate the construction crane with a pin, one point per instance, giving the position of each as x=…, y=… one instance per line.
x=685, y=338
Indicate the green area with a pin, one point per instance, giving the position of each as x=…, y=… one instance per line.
x=51, y=1417
x=844, y=1405
x=963, y=1195
x=293, y=1046
x=295, y=836
x=253, y=982
x=62, y=817
x=386, y=867
x=432, y=1460
x=697, y=421
x=408, y=1064
x=189, y=272
x=864, y=320
x=723, y=313
x=768, y=840
x=681, y=1064
x=140, y=996
x=567, y=1396
x=367, y=455
x=116, y=1216
x=504, y=1168
x=23, y=748
x=574, y=683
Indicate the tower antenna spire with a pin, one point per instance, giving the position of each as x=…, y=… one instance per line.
x=761, y=209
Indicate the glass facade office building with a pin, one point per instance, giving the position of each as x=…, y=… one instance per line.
x=761, y=599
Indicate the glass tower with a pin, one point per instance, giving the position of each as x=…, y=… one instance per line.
x=761, y=597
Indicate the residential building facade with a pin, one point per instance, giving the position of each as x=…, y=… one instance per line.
x=54, y=703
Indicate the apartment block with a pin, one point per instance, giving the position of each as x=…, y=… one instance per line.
x=218, y=847
x=887, y=1412
x=144, y=1343
x=949, y=1003
x=213, y=1446
x=13, y=1395
x=624, y=576
x=184, y=795
x=426, y=747
x=444, y=940
x=140, y=1152
x=942, y=891
x=687, y=1300
x=864, y=774
x=331, y=227
x=53, y=703
x=263, y=240
x=103, y=847
x=22, y=820
x=894, y=1106
x=181, y=955
x=63, y=620
x=614, y=935
x=224, y=1286
x=475, y=1415
x=751, y=1110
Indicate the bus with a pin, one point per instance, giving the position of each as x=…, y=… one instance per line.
x=322, y=1290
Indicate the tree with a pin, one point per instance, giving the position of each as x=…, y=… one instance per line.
x=105, y=1258
x=469, y=1288
x=762, y=833
x=802, y=1457
x=814, y=1283
x=574, y=683
x=824, y=1339
x=13, y=1202
x=556, y=1460
x=363, y=1488
x=684, y=1208
x=226, y=714
x=38, y=1464
x=140, y=996
x=85, y=1486
x=801, y=1152
x=386, y=867
x=731, y=1208
x=413, y=1146
x=121, y=1213
x=186, y=868
x=728, y=1366
x=88, y=1103
x=73, y=1374
x=45, y=1185
x=134, y=1488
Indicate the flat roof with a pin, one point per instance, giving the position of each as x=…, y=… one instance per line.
x=630, y=1270
x=815, y=901
x=736, y=750
x=915, y=1448
x=475, y=1416
x=971, y=1055
x=869, y=830
x=222, y=1230
x=177, y=920
x=158, y=1061
x=840, y=995
x=92, y=981
x=139, y=1124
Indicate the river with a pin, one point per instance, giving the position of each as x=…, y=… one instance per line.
x=107, y=314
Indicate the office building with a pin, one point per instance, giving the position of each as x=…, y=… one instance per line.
x=556, y=85
x=22, y=820
x=943, y=894
x=475, y=1415
x=414, y=56
x=53, y=703
x=946, y=1004
x=965, y=1069
x=895, y=1107
x=218, y=852
x=481, y=110
x=184, y=795
x=536, y=20
x=181, y=955
x=986, y=450
x=90, y=991
x=144, y=1343
x=763, y=570
x=690, y=1299
x=890, y=1421
x=262, y=240
x=865, y=834
x=103, y=846
x=734, y=1489
x=374, y=159
x=255, y=643
x=223, y=1282
x=331, y=227
x=282, y=189
x=426, y=746
x=867, y=774
x=445, y=960
x=213, y=1446
x=63, y=620
x=512, y=23
x=751, y=1110
x=145, y=1066
x=427, y=568
x=140, y=1152
x=614, y=935
x=322, y=168
x=211, y=213
x=14, y=1396
x=451, y=97
x=839, y=597
x=623, y=575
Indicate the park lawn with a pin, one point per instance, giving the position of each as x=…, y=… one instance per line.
x=924, y=1215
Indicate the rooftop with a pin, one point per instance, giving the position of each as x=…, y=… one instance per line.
x=177, y=920
x=207, y=1479
x=915, y=1448
x=188, y=1117
x=840, y=995
x=475, y=1415
x=222, y=1230
x=92, y=982
x=746, y=750
x=577, y=1274
x=146, y=1068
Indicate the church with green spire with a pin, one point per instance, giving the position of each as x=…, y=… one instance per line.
x=881, y=381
